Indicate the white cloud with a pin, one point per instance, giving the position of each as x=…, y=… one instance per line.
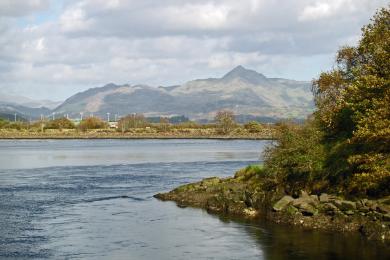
x=74, y=19
x=93, y=42
x=21, y=7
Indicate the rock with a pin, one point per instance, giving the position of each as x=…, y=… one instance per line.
x=247, y=198
x=250, y=212
x=384, y=209
x=303, y=194
x=345, y=205
x=282, y=203
x=349, y=212
x=385, y=200
x=371, y=204
x=329, y=209
x=306, y=206
x=314, y=197
x=290, y=209
x=386, y=217
x=324, y=198
x=364, y=209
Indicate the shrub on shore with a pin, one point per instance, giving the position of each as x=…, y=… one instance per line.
x=345, y=147
x=92, y=123
x=59, y=123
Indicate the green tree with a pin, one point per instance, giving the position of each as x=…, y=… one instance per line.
x=345, y=147
x=296, y=159
x=164, y=125
x=353, y=109
x=132, y=121
x=225, y=121
x=59, y=123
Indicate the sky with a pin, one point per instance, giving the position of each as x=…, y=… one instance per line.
x=51, y=49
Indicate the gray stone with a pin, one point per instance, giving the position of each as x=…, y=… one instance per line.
x=303, y=194
x=282, y=203
x=345, y=205
x=314, y=197
x=306, y=205
x=383, y=209
x=371, y=204
x=364, y=209
x=329, y=208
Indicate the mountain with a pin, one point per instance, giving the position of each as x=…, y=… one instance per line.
x=27, y=102
x=244, y=91
x=24, y=108
x=8, y=111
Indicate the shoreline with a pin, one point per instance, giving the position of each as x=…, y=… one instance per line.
x=135, y=138
x=247, y=196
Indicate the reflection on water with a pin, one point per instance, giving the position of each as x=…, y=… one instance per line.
x=102, y=209
x=45, y=153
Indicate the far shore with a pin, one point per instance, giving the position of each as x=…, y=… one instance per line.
x=19, y=135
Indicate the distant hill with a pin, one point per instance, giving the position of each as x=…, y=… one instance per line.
x=27, y=102
x=244, y=91
x=8, y=111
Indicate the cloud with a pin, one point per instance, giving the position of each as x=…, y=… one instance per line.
x=88, y=43
x=11, y=8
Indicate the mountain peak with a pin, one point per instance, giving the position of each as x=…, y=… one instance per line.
x=248, y=75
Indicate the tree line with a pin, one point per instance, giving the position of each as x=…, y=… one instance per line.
x=344, y=146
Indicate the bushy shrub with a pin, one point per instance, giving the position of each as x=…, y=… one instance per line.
x=296, y=159
x=92, y=123
x=3, y=123
x=253, y=127
x=59, y=123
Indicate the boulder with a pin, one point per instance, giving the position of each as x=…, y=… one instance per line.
x=324, y=198
x=303, y=194
x=384, y=209
x=386, y=217
x=290, y=209
x=306, y=205
x=315, y=198
x=329, y=209
x=282, y=203
x=345, y=205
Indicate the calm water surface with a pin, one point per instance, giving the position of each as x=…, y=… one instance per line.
x=92, y=199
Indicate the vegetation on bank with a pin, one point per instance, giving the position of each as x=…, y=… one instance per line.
x=344, y=147
x=333, y=171
x=134, y=126
x=251, y=193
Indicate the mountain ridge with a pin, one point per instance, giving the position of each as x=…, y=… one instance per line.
x=241, y=90
x=244, y=91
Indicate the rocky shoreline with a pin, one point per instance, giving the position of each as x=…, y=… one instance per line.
x=250, y=195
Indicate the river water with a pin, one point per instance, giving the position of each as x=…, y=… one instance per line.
x=92, y=199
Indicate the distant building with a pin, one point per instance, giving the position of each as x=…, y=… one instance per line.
x=113, y=124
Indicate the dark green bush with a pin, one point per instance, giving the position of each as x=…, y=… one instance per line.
x=59, y=123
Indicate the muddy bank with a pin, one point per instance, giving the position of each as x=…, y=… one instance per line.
x=251, y=195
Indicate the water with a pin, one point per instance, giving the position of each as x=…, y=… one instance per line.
x=92, y=199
